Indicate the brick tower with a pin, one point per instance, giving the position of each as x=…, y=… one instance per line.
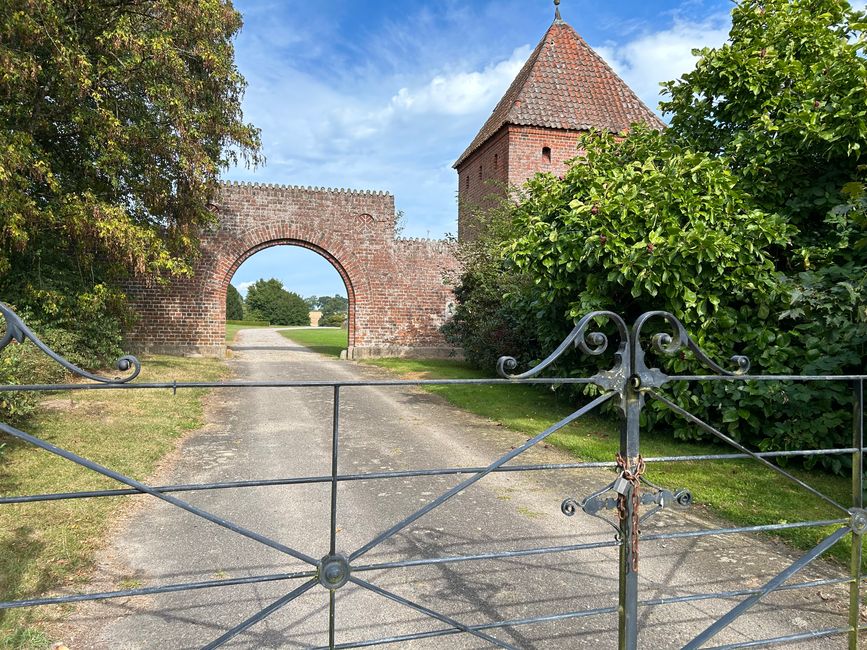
x=564, y=89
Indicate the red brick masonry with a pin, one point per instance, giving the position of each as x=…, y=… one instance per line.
x=397, y=295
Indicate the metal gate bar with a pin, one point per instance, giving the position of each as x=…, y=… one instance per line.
x=629, y=380
x=447, y=471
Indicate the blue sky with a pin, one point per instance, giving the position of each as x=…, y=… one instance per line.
x=386, y=95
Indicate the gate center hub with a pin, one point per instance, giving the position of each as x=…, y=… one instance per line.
x=333, y=571
x=859, y=521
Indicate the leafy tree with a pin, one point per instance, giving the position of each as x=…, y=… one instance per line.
x=234, y=304
x=268, y=300
x=333, y=305
x=784, y=102
x=118, y=117
x=328, y=304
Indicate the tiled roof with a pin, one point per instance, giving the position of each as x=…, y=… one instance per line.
x=566, y=85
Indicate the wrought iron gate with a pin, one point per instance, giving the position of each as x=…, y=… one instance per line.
x=631, y=496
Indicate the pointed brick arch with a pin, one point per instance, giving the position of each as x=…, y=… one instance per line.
x=397, y=295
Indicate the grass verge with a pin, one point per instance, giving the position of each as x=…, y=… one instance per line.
x=44, y=546
x=324, y=340
x=741, y=491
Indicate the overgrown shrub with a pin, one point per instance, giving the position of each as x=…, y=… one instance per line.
x=823, y=331
x=496, y=313
x=18, y=365
x=747, y=219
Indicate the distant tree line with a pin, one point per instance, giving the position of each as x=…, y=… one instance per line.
x=334, y=309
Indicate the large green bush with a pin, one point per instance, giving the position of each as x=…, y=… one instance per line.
x=746, y=219
x=643, y=223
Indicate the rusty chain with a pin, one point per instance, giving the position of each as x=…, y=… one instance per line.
x=634, y=478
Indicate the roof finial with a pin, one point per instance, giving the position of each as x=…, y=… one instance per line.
x=557, y=10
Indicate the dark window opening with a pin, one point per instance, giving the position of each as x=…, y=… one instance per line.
x=546, y=154
x=480, y=172
x=496, y=162
x=467, y=183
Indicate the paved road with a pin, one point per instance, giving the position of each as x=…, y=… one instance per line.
x=275, y=433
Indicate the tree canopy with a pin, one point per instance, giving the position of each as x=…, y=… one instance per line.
x=334, y=309
x=784, y=103
x=268, y=300
x=118, y=117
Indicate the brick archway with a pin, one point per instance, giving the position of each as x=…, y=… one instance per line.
x=345, y=265
x=398, y=298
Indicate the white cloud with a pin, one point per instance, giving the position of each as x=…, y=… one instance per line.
x=243, y=286
x=463, y=93
x=654, y=57
x=397, y=110
x=399, y=133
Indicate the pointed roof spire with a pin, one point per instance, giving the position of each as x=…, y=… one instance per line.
x=566, y=85
x=557, y=15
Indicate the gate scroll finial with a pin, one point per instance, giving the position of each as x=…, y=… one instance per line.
x=17, y=331
x=592, y=343
x=630, y=354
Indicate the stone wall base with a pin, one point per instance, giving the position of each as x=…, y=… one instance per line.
x=403, y=352
x=178, y=350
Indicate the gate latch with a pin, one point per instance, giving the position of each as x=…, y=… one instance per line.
x=655, y=496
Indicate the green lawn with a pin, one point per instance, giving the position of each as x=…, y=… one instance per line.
x=47, y=545
x=741, y=491
x=324, y=340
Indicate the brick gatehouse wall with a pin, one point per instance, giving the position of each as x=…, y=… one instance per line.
x=397, y=295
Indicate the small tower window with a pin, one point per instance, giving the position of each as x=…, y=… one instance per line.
x=546, y=154
x=496, y=162
x=467, y=181
x=480, y=172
